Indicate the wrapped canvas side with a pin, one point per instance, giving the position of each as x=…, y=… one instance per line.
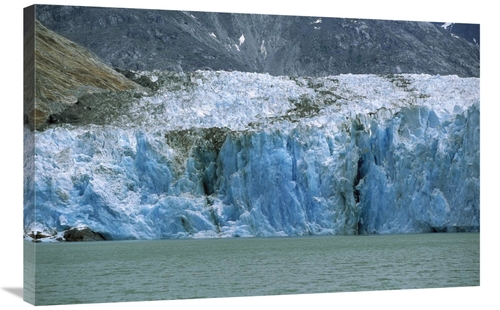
x=29, y=147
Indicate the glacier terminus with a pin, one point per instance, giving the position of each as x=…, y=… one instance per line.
x=231, y=154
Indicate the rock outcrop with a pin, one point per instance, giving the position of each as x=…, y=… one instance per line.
x=84, y=234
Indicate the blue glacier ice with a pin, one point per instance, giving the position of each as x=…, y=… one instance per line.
x=246, y=154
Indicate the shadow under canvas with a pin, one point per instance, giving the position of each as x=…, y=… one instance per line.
x=17, y=291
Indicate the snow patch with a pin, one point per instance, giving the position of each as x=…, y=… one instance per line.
x=263, y=49
x=446, y=25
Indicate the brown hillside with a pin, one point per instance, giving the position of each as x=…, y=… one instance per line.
x=63, y=72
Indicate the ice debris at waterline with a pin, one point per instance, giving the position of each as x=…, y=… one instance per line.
x=228, y=154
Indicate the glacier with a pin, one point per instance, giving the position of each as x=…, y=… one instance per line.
x=215, y=154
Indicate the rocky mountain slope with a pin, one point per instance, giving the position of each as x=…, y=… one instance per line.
x=64, y=73
x=470, y=32
x=138, y=39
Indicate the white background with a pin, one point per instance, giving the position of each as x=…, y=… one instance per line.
x=482, y=12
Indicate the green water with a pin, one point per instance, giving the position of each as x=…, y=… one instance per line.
x=177, y=269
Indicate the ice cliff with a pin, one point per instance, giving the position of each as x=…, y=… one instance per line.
x=225, y=154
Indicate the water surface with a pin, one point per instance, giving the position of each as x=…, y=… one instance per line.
x=205, y=268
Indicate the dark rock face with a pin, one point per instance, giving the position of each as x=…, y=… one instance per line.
x=85, y=234
x=135, y=39
x=96, y=108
